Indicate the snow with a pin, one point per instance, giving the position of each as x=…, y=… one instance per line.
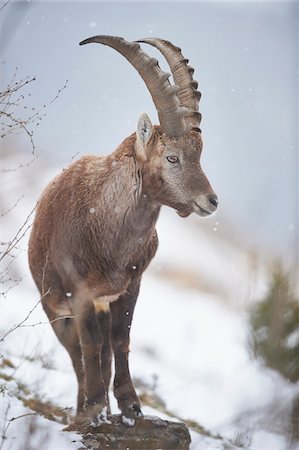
x=27, y=430
x=128, y=421
x=201, y=358
x=189, y=340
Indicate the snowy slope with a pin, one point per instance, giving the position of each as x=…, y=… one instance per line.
x=189, y=339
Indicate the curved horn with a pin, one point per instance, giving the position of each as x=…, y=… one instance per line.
x=188, y=94
x=171, y=114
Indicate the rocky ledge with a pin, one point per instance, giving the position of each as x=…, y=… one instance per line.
x=148, y=433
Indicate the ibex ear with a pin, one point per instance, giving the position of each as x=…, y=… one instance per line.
x=143, y=135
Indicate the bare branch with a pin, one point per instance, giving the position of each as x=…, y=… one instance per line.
x=3, y=4
x=4, y=429
x=12, y=207
x=19, y=325
x=23, y=325
x=16, y=116
x=20, y=166
x=12, y=420
x=49, y=322
x=5, y=279
x=20, y=234
x=20, y=417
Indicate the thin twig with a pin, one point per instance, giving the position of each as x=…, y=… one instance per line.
x=19, y=235
x=4, y=4
x=15, y=418
x=19, y=325
x=12, y=207
x=12, y=99
x=20, y=166
x=48, y=322
x=4, y=429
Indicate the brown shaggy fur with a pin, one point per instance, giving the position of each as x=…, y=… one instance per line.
x=93, y=237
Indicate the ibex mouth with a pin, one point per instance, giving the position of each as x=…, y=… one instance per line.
x=200, y=211
x=197, y=209
x=184, y=213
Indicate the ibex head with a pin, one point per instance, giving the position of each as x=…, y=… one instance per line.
x=169, y=154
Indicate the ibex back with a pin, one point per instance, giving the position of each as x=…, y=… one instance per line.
x=94, y=231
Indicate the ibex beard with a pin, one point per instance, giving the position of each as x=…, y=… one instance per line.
x=94, y=231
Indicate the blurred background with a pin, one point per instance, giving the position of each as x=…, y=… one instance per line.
x=236, y=272
x=245, y=58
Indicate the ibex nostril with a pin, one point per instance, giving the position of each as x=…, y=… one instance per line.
x=214, y=200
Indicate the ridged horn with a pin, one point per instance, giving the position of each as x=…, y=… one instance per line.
x=164, y=95
x=188, y=94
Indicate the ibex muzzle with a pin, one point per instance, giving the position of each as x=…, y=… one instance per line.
x=94, y=231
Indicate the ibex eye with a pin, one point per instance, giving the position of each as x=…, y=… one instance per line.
x=172, y=159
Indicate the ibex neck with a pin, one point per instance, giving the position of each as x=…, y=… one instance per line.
x=139, y=213
x=143, y=216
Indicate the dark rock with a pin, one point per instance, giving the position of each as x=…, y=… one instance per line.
x=148, y=433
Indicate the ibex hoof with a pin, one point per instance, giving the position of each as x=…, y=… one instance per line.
x=128, y=421
x=93, y=415
x=130, y=413
x=101, y=417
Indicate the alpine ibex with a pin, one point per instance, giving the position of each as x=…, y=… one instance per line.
x=94, y=231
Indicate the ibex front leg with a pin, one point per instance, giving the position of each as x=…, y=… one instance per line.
x=122, y=314
x=91, y=342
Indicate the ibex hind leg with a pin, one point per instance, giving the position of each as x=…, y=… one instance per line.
x=66, y=332
x=122, y=314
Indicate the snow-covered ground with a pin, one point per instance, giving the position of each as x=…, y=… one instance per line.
x=189, y=338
